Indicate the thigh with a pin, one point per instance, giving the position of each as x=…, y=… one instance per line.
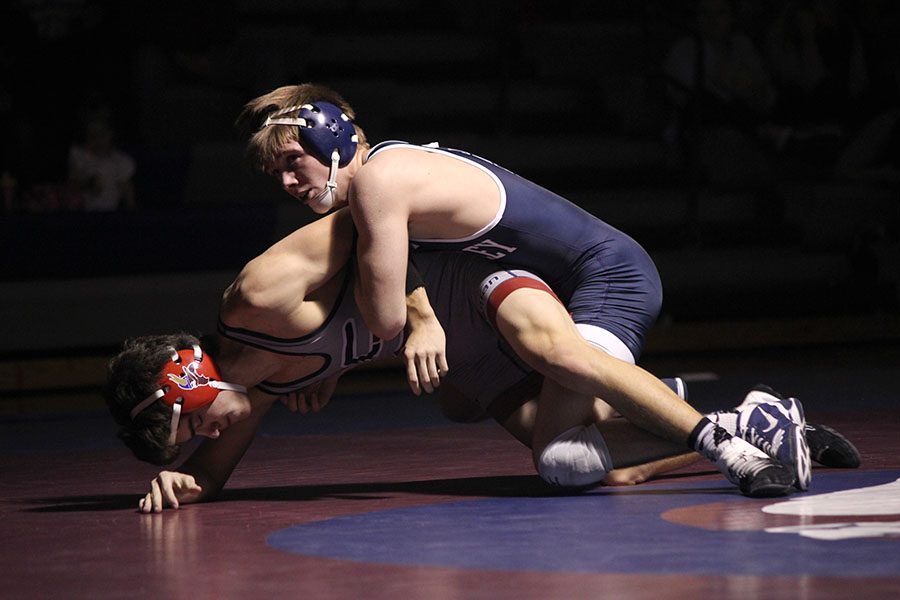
x=621, y=296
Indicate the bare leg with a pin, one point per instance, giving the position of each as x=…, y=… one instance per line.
x=575, y=373
x=637, y=455
x=641, y=473
x=628, y=445
x=543, y=335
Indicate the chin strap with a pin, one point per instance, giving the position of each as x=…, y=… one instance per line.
x=325, y=199
x=177, y=407
x=177, y=403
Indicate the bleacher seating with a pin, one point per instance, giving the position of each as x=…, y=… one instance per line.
x=575, y=103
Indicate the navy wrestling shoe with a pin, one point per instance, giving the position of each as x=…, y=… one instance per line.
x=755, y=474
x=777, y=426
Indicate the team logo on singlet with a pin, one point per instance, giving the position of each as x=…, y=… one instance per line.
x=490, y=249
x=190, y=378
x=351, y=354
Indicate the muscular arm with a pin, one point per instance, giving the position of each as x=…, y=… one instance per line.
x=212, y=463
x=202, y=476
x=269, y=292
x=381, y=215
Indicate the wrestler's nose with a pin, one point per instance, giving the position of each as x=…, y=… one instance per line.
x=288, y=179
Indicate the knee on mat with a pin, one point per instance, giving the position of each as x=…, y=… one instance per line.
x=577, y=457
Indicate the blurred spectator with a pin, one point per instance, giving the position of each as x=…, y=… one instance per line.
x=722, y=93
x=18, y=42
x=879, y=28
x=102, y=173
x=873, y=154
x=195, y=69
x=51, y=53
x=8, y=189
x=816, y=55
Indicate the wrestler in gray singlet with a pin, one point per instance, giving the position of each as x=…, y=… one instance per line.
x=481, y=364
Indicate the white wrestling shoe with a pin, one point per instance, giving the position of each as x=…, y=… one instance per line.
x=756, y=474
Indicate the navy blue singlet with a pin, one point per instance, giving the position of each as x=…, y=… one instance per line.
x=603, y=276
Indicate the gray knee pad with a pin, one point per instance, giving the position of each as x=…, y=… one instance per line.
x=575, y=458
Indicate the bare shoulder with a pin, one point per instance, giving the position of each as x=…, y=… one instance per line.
x=277, y=281
x=389, y=175
x=395, y=159
x=269, y=282
x=311, y=249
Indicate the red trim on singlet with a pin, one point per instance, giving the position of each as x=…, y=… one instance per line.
x=508, y=287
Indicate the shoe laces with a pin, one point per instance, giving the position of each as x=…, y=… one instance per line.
x=742, y=461
x=764, y=443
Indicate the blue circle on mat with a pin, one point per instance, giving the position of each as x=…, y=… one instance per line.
x=597, y=532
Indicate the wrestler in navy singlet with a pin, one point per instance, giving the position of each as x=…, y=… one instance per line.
x=603, y=276
x=482, y=365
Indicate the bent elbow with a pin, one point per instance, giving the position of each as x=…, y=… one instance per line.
x=383, y=319
x=388, y=329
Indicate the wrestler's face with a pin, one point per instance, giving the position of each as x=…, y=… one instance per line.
x=228, y=408
x=302, y=175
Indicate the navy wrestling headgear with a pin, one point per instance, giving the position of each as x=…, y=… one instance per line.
x=329, y=134
x=323, y=127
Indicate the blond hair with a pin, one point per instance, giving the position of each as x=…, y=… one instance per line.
x=265, y=142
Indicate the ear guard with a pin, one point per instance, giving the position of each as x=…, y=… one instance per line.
x=329, y=134
x=323, y=127
x=187, y=382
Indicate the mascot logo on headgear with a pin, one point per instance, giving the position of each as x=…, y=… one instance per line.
x=192, y=379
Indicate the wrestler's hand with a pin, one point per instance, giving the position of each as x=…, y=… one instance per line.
x=170, y=489
x=425, y=354
x=313, y=397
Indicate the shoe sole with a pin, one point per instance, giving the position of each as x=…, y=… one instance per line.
x=801, y=462
x=829, y=448
x=776, y=480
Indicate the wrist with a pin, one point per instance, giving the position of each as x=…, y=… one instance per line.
x=418, y=307
x=413, y=279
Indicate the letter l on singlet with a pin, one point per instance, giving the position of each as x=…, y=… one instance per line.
x=350, y=356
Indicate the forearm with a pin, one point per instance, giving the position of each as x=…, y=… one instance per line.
x=418, y=307
x=425, y=347
x=383, y=308
x=212, y=463
x=210, y=468
x=381, y=217
x=379, y=291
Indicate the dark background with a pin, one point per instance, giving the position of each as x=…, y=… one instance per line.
x=781, y=248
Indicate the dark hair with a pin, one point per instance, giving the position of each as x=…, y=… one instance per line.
x=131, y=376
